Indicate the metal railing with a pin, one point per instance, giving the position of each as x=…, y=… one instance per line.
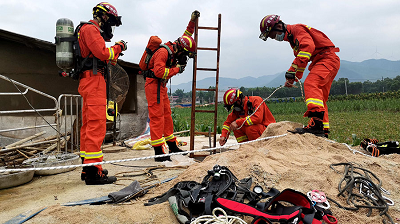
x=15, y=83
x=72, y=111
x=68, y=109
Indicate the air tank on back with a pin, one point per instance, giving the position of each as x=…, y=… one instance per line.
x=64, y=51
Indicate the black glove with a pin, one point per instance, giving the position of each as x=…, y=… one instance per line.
x=181, y=68
x=182, y=59
x=290, y=75
x=195, y=15
x=122, y=44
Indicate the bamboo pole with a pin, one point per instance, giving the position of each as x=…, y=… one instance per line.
x=25, y=139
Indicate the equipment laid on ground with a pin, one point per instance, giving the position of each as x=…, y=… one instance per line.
x=362, y=189
x=220, y=188
x=383, y=148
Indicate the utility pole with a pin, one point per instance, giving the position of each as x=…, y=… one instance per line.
x=345, y=85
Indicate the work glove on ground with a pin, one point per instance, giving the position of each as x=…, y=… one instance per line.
x=122, y=44
x=181, y=68
x=195, y=15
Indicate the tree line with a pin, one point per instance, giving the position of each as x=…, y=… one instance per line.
x=341, y=86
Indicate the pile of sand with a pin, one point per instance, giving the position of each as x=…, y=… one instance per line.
x=299, y=162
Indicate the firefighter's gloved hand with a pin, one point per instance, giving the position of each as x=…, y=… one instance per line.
x=222, y=141
x=122, y=44
x=181, y=68
x=234, y=126
x=290, y=75
x=195, y=15
x=289, y=83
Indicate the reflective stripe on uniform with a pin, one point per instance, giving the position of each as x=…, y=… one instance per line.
x=241, y=138
x=300, y=69
x=309, y=27
x=157, y=142
x=315, y=101
x=166, y=72
x=82, y=154
x=169, y=137
x=248, y=120
x=188, y=33
x=93, y=155
x=326, y=124
x=226, y=127
x=304, y=54
x=111, y=51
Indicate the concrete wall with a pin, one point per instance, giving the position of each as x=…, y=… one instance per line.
x=32, y=63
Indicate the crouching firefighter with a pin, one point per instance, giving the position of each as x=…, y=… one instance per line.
x=166, y=61
x=249, y=118
x=92, y=87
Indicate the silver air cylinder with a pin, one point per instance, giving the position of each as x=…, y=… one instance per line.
x=64, y=51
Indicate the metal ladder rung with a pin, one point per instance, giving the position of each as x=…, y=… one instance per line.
x=208, y=48
x=206, y=90
x=201, y=133
x=207, y=69
x=204, y=111
x=207, y=28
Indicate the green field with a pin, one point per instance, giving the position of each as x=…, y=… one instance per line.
x=370, y=118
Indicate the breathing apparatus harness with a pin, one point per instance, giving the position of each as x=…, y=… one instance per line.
x=220, y=188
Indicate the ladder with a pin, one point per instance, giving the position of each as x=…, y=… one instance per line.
x=193, y=132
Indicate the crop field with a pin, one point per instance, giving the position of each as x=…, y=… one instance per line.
x=350, y=120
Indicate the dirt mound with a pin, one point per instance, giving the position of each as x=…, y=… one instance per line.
x=300, y=162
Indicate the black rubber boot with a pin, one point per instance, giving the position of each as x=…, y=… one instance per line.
x=94, y=177
x=159, y=151
x=84, y=170
x=173, y=147
x=326, y=132
x=315, y=125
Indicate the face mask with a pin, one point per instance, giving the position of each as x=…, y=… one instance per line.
x=237, y=107
x=280, y=37
x=108, y=31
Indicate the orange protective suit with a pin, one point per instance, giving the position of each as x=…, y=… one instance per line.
x=161, y=124
x=92, y=88
x=253, y=126
x=310, y=44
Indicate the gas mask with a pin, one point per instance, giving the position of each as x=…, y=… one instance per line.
x=280, y=37
x=182, y=58
x=237, y=106
x=109, y=26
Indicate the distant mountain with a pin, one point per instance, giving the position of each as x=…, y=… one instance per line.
x=372, y=69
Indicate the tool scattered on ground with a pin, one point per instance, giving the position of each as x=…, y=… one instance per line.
x=220, y=188
x=130, y=192
x=380, y=148
x=362, y=189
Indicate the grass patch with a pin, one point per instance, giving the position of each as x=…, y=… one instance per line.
x=350, y=121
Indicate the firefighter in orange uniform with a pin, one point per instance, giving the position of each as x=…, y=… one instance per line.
x=248, y=120
x=308, y=44
x=164, y=64
x=92, y=88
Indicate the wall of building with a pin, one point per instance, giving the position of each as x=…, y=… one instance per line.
x=32, y=62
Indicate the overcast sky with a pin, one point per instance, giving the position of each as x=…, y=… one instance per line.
x=362, y=29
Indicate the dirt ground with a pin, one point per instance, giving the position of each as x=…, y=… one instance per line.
x=299, y=162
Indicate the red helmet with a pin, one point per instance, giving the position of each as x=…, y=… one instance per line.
x=187, y=43
x=230, y=97
x=266, y=25
x=108, y=9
